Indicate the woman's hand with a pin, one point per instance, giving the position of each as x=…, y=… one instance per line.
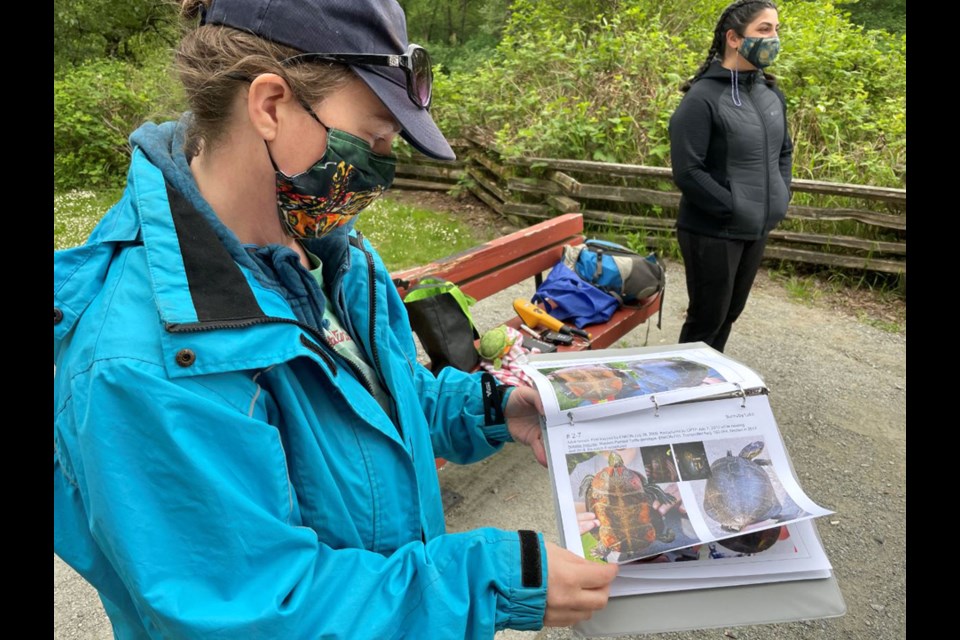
x=522, y=413
x=587, y=521
x=575, y=587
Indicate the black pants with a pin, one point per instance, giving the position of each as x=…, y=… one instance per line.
x=719, y=276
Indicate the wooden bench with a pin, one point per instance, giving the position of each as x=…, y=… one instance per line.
x=501, y=263
x=496, y=265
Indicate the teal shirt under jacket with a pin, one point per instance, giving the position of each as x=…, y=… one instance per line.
x=220, y=473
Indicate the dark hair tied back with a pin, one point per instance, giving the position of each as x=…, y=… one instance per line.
x=736, y=16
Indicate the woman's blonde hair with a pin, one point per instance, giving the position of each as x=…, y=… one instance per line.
x=214, y=62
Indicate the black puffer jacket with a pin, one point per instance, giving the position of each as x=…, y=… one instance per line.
x=732, y=163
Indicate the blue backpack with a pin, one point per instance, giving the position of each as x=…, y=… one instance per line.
x=624, y=274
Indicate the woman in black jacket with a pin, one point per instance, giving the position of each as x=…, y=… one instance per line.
x=731, y=154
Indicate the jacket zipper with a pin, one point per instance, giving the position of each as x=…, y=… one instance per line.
x=371, y=275
x=198, y=327
x=371, y=271
x=372, y=304
x=766, y=163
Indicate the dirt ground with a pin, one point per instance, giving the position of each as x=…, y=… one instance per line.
x=835, y=361
x=835, y=364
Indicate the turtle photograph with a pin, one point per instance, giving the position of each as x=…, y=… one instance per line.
x=666, y=374
x=755, y=541
x=658, y=463
x=743, y=492
x=691, y=460
x=634, y=517
x=586, y=385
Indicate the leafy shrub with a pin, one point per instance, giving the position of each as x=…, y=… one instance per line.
x=88, y=29
x=600, y=81
x=463, y=57
x=96, y=107
x=846, y=97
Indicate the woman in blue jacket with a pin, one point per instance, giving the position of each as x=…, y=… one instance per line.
x=243, y=439
x=731, y=155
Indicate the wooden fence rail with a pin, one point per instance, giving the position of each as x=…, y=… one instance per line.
x=540, y=188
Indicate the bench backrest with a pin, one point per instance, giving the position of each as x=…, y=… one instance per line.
x=508, y=260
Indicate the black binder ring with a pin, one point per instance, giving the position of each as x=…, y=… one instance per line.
x=656, y=407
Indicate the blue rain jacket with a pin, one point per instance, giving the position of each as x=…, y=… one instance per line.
x=220, y=473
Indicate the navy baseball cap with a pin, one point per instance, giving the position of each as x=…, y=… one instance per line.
x=343, y=26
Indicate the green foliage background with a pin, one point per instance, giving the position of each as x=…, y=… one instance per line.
x=589, y=79
x=111, y=73
x=569, y=82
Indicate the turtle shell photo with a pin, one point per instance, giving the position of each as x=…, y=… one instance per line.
x=743, y=492
x=637, y=517
x=590, y=384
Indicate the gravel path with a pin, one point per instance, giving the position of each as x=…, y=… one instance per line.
x=838, y=390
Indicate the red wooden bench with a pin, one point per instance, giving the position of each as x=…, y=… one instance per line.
x=496, y=265
x=493, y=266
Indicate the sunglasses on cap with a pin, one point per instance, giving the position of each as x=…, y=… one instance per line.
x=415, y=64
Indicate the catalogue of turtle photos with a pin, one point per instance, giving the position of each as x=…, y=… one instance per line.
x=669, y=462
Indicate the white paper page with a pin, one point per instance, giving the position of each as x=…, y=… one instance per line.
x=592, y=385
x=676, y=452
x=638, y=587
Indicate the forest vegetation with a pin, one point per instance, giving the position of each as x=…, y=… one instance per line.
x=588, y=79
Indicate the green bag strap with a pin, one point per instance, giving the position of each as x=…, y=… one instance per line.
x=429, y=287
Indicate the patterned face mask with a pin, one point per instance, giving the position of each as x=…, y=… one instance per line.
x=335, y=189
x=760, y=52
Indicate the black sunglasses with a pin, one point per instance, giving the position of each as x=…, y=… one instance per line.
x=415, y=64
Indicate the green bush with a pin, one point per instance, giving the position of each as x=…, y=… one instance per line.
x=568, y=83
x=463, y=57
x=96, y=107
x=846, y=97
x=84, y=30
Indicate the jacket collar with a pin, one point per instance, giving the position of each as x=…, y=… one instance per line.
x=716, y=71
x=202, y=277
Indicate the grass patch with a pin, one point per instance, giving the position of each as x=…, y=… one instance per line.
x=403, y=234
x=801, y=289
x=407, y=236
x=76, y=213
x=877, y=300
x=879, y=323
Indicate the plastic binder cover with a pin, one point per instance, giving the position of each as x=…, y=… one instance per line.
x=721, y=607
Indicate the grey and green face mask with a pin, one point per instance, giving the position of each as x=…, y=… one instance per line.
x=760, y=52
x=335, y=189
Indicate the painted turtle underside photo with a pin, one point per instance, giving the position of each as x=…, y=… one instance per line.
x=622, y=500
